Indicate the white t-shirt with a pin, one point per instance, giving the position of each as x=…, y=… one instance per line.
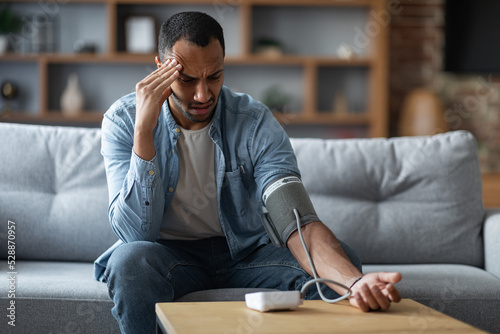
x=194, y=213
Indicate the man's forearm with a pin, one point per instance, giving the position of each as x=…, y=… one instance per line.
x=327, y=255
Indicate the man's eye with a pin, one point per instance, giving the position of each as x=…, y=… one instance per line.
x=185, y=80
x=215, y=78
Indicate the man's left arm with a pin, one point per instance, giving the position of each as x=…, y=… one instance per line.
x=373, y=291
x=275, y=159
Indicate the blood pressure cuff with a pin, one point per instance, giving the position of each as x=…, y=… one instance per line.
x=280, y=198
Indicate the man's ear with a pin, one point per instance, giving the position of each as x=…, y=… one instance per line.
x=157, y=61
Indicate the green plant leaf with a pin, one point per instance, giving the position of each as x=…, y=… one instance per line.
x=9, y=22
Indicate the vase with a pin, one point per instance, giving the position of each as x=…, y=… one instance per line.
x=72, y=97
x=422, y=114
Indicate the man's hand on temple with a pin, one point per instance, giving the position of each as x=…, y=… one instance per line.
x=151, y=93
x=375, y=291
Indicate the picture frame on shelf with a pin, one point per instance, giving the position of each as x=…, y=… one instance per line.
x=140, y=34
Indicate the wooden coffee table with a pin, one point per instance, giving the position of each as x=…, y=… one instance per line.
x=314, y=316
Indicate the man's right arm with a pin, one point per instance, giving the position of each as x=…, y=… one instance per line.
x=136, y=194
x=134, y=183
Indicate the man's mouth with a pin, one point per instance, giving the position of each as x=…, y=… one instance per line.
x=202, y=109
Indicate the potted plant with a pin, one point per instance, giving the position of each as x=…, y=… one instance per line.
x=275, y=99
x=9, y=23
x=270, y=47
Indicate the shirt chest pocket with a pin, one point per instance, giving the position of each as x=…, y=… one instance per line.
x=235, y=194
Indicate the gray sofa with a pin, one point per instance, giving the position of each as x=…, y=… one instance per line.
x=404, y=204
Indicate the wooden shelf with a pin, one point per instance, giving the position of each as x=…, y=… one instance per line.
x=310, y=67
x=322, y=118
x=14, y=57
x=171, y=2
x=337, y=3
x=147, y=58
x=347, y=3
x=52, y=117
x=297, y=60
x=61, y=58
x=72, y=1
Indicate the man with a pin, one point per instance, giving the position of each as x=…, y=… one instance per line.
x=190, y=166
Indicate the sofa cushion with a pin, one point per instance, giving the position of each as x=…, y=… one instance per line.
x=59, y=297
x=68, y=300
x=53, y=187
x=399, y=200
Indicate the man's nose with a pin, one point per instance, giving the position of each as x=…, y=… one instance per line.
x=202, y=93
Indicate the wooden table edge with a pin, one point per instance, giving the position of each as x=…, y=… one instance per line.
x=167, y=327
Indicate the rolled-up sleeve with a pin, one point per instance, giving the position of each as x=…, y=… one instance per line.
x=272, y=152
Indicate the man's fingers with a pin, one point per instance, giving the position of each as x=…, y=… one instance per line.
x=154, y=75
x=166, y=77
x=374, y=298
x=160, y=87
x=158, y=76
x=376, y=291
x=383, y=302
x=358, y=302
x=368, y=297
x=393, y=293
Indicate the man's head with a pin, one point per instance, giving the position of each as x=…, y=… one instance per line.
x=195, y=27
x=196, y=41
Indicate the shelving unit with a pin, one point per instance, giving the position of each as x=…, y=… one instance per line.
x=309, y=70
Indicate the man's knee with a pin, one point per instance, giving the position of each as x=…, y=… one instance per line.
x=136, y=249
x=129, y=260
x=131, y=252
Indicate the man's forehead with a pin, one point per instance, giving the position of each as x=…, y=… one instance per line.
x=195, y=59
x=196, y=69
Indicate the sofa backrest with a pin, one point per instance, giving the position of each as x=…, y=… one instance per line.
x=399, y=200
x=53, y=187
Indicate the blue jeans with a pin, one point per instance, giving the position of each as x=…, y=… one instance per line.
x=140, y=274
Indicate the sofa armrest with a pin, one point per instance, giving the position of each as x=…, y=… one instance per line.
x=491, y=234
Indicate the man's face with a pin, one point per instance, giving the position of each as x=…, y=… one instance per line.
x=196, y=91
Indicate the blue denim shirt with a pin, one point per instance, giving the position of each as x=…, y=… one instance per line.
x=252, y=149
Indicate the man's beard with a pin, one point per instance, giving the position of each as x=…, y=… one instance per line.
x=177, y=103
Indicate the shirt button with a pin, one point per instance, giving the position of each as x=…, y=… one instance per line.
x=151, y=172
x=173, y=151
x=147, y=203
x=177, y=130
x=171, y=189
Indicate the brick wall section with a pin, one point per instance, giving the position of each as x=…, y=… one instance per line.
x=416, y=46
x=416, y=53
x=472, y=103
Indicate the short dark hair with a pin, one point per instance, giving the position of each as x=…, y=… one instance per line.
x=195, y=27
